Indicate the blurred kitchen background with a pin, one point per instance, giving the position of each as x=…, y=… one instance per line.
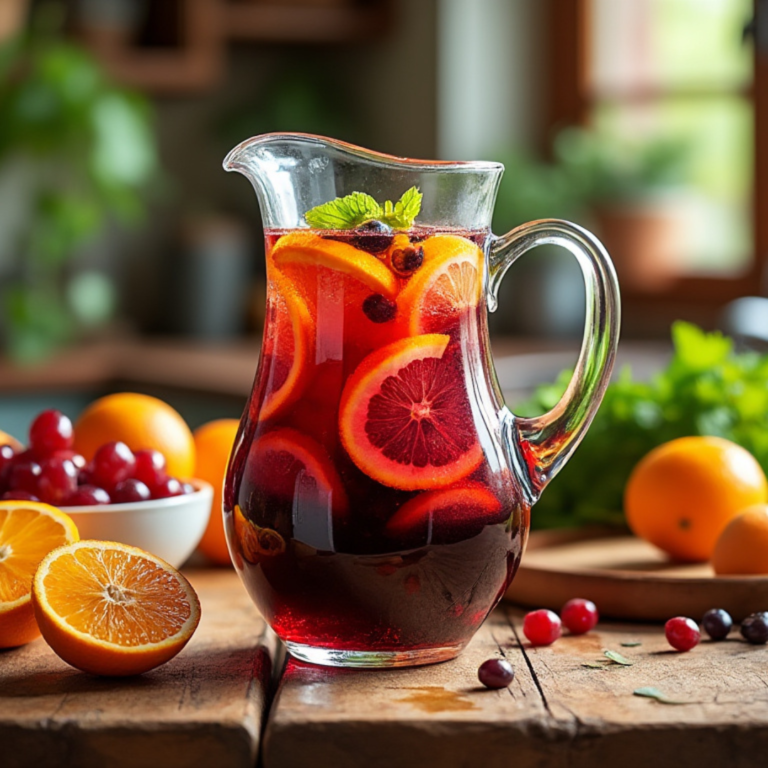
x=129, y=258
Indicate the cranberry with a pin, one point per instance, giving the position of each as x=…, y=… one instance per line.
x=682, y=633
x=579, y=616
x=169, y=487
x=73, y=456
x=717, y=623
x=129, y=491
x=542, y=627
x=18, y=495
x=150, y=467
x=113, y=463
x=754, y=628
x=405, y=261
x=6, y=462
x=85, y=475
x=379, y=309
x=57, y=481
x=496, y=673
x=23, y=475
x=375, y=237
x=87, y=496
x=50, y=431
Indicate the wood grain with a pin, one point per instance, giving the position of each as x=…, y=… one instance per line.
x=203, y=708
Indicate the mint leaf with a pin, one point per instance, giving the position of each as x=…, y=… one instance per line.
x=345, y=212
x=402, y=214
x=352, y=210
x=617, y=658
x=654, y=693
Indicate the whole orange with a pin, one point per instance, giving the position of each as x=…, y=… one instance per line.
x=681, y=495
x=743, y=546
x=140, y=421
x=213, y=444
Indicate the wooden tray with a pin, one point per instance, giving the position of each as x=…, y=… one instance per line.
x=627, y=579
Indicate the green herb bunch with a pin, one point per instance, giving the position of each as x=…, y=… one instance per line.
x=707, y=389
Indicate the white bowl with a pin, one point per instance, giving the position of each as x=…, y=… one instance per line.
x=169, y=528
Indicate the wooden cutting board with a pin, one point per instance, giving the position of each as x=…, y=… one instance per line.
x=627, y=578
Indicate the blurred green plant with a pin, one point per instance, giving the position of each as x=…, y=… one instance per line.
x=84, y=153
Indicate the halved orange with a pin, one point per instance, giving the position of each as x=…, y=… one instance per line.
x=405, y=417
x=111, y=609
x=29, y=530
x=448, y=284
x=287, y=356
x=310, y=249
x=432, y=513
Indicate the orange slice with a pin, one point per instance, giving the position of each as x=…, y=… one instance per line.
x=405, y=417
x=111, y=609
x=289, y=335
x=309, y=249
x=256, y=542
x=29, y=530
x=447, y=285
x=448, y=511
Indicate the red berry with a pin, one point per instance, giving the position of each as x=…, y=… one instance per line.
x=150, y=467
x=73, y=456
x=18, y=495
x=6, y=462
x=113, y=463
x=496, y=673
x=682, y=633
x=579, y=616
x=169, y=487
x=23, y=475
x=85, y=475
x=87, y=496
x=50, y=431
x=542, y=627
x=58, y=479
x=129, y=491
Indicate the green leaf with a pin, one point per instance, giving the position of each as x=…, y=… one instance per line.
x=617, y=658
x=630, y=644
x=595, y=664
x=345, y=212
x=654, y=693
x=405, y=210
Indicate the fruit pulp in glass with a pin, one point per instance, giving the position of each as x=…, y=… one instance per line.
x=368, y=502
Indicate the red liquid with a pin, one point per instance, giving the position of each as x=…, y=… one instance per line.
x=317, y=516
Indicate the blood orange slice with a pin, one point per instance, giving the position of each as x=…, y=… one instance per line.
x=405, y=417
x=453, y=513
x=448, y=284
x=309, y=249
x=288, y=348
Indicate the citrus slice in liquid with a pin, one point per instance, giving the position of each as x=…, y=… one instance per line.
x=435, y=514
x=111, y=609
x=405, y=418
x=256, y=542
x=448, y=284
x=309, y=249
x=288, y=348
x=29, y=530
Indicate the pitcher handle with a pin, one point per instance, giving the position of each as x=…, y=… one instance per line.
x=547, y=442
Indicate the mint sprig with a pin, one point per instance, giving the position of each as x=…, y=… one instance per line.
x=355, y=209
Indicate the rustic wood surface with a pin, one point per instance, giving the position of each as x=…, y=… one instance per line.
x=202, y=709
x=557, y=712
x=628, y=578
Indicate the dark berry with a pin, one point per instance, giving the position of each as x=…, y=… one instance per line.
x=113, y=463
x=579, y=616
x=374, y=237
x=169, y=487
x=18, y=495
x=754, y=628
x=73, y=456
x=542, y=627
x=717, y=623
x=129, y=491
x=87, y=496
x=150, y=467
x=682, y=633
x=85, y=475
x=6, y=462
x=51, y=431
x=405, y=261
x=23, y=476
x=379, y=309
x=496, y=673
x=57, y=481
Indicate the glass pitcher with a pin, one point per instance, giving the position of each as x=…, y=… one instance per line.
x=378, y=495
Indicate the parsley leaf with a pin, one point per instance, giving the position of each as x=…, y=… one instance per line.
x=355, y=209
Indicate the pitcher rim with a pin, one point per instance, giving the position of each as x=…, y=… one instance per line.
x=459, y=166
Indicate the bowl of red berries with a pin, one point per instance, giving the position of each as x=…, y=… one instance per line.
x=119, y=495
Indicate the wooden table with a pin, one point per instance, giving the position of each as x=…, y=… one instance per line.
x=208, y=707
